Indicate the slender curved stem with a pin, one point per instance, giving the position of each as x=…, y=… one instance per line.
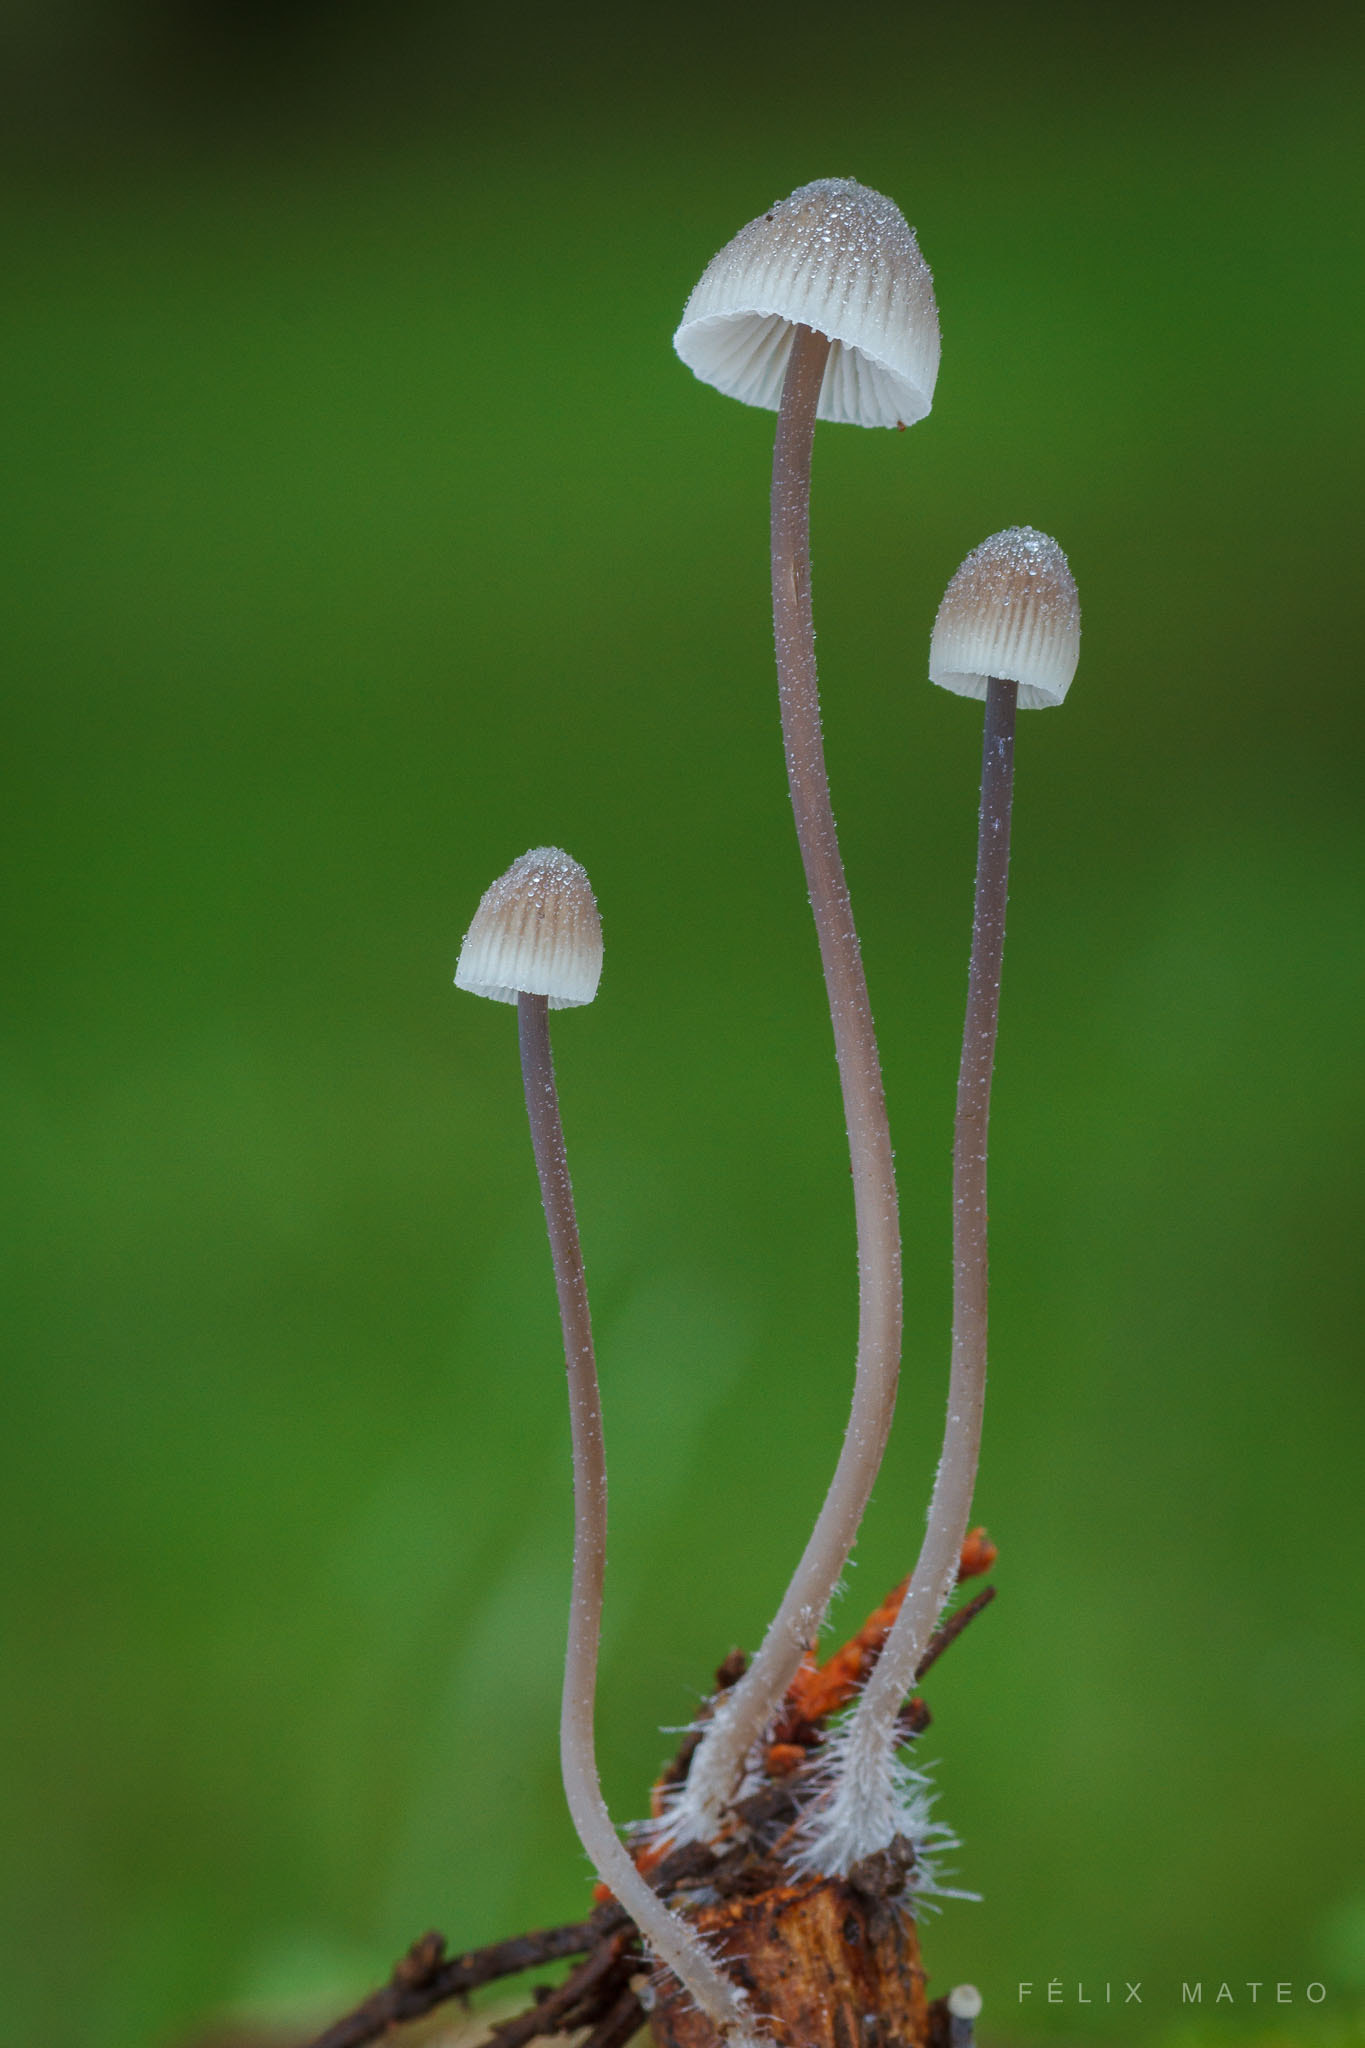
x=871, y=1738
x=673, y=1942
x=744, y=1715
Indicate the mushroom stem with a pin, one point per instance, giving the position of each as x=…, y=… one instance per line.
x=673, y=1942
x=840, y=1835
x=742, y=1718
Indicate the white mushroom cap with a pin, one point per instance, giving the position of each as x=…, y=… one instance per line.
x=535, y=933
x=840, y=259
x=1011, y=611
x=965, y=2002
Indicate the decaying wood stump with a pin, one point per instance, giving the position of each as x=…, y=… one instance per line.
x=828, y=1963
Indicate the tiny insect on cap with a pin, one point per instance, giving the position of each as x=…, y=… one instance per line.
x=535, y=933
x=841, y=259
x=1011, y=611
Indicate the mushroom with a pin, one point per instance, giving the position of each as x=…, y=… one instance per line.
x=1008, y=630
x=964, y=2004
x=823, y=307
x=536, y=941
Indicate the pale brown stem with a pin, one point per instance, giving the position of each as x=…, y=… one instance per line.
x=744, y=1716
x=935, y=1573
x=672, y=1940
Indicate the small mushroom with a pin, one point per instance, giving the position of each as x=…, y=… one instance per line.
x=823, y=307
x=536, y=932
x=536, y=941
x=1011, y=611
x=964, y=2004
x=1008, y=630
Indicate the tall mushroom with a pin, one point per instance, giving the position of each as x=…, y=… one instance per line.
x=823, y=307
x=536, y=941
x=1008, y=630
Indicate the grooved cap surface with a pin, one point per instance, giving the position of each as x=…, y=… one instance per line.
x=536, y=932
x=1011, y=611
x=841, y=259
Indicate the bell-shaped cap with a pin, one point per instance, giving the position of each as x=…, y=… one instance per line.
x=840, y=259
x=535, y=933
x=1011, y=611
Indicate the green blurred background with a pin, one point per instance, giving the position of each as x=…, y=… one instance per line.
x=361, y=530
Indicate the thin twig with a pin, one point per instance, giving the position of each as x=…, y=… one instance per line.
x=624, y=2020
x=426, y=1977
x=948, y=1631
x=566, y=2006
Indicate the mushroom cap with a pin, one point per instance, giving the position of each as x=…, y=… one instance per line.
x=841, y=259
x=965, y=2002
x=1011, y=611
x=536, y=932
